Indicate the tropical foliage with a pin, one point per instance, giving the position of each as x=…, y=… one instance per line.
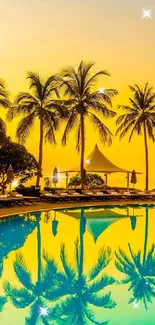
x=24, y=164
x=139, y=118
x=93, y=180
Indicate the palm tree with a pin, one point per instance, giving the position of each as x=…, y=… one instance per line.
x=85, y=103
x=4, y=102
x=75, y=291
x=42, y=105
x=32, y=294
x=139, y=269
x=139, y=118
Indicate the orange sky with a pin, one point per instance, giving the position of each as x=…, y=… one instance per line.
x=44, y=36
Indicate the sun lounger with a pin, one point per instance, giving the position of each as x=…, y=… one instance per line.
x=30, y=199
x=7, y=201
x=50, y=197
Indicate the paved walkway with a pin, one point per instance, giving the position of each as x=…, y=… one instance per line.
x=44, y=206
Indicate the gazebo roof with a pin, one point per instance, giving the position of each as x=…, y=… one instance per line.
x=97, y=162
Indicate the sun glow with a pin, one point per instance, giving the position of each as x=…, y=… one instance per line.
x=101, y=90
x=15, y=183
x=87, y=161
x=147, y=14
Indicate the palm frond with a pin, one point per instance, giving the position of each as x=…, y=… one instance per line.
x=25, y=126
x=102, y=300
x=69, y=271
x=103, y=260
x=3, y=301
x=4, y=96
x=72, y=120
x=20, y=298
x=100, y=283
x=90, y=315
x=24, y=97
x=92, y=80
x=95, y=105
x=2, y=127
x=36, y=84
x=104, y=132
x=50, y=125
x=57, y=292
x=34, y=314
x=49, y=272
x=22, y=272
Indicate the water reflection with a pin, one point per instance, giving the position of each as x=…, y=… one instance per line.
x=139, y=268
x=64, y=290
x=13, y=236
x=76, y=291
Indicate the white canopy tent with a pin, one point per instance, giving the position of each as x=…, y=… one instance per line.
x=96, y=162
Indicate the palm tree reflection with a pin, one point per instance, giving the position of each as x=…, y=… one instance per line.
x=74, y=291
x=32, y=294
x=17, y=231
x=139, y=269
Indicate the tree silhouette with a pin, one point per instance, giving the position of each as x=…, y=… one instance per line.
x=75, y=292
x=139, y=269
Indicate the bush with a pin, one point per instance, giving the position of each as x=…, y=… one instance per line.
x=93, y=180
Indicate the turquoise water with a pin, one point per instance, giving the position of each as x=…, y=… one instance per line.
x=79, y=266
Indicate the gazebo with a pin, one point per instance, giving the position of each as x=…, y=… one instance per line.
x=96, y=162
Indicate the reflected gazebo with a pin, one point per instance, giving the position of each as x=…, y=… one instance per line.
x=98, y=221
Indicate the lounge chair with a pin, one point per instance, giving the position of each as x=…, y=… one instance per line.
x=65, y=195
x=7, y=201
x=50, y=197
x=30, y=199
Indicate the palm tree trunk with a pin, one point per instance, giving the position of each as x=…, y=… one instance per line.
x=82, y=150
x=40, y=152
x=81, y=245
x=146, y=159
x=146, y=235
x=39, y=250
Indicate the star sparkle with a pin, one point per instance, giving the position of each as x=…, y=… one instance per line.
x=43, y=311
x=146, y=14
x=101, y=90
x=136, y=305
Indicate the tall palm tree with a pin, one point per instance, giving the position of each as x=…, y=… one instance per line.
x=139, y=118
x=39, y=105
x=139, y=269
x=85, y=103
x=75, y=291
x=5, y=103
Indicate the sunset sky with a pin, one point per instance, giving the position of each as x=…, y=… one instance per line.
x=44, y=36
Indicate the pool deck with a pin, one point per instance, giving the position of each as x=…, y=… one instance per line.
x=45, y=206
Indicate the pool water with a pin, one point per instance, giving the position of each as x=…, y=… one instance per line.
x=78, y=266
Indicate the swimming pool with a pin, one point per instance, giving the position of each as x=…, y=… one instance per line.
x=79, y=266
